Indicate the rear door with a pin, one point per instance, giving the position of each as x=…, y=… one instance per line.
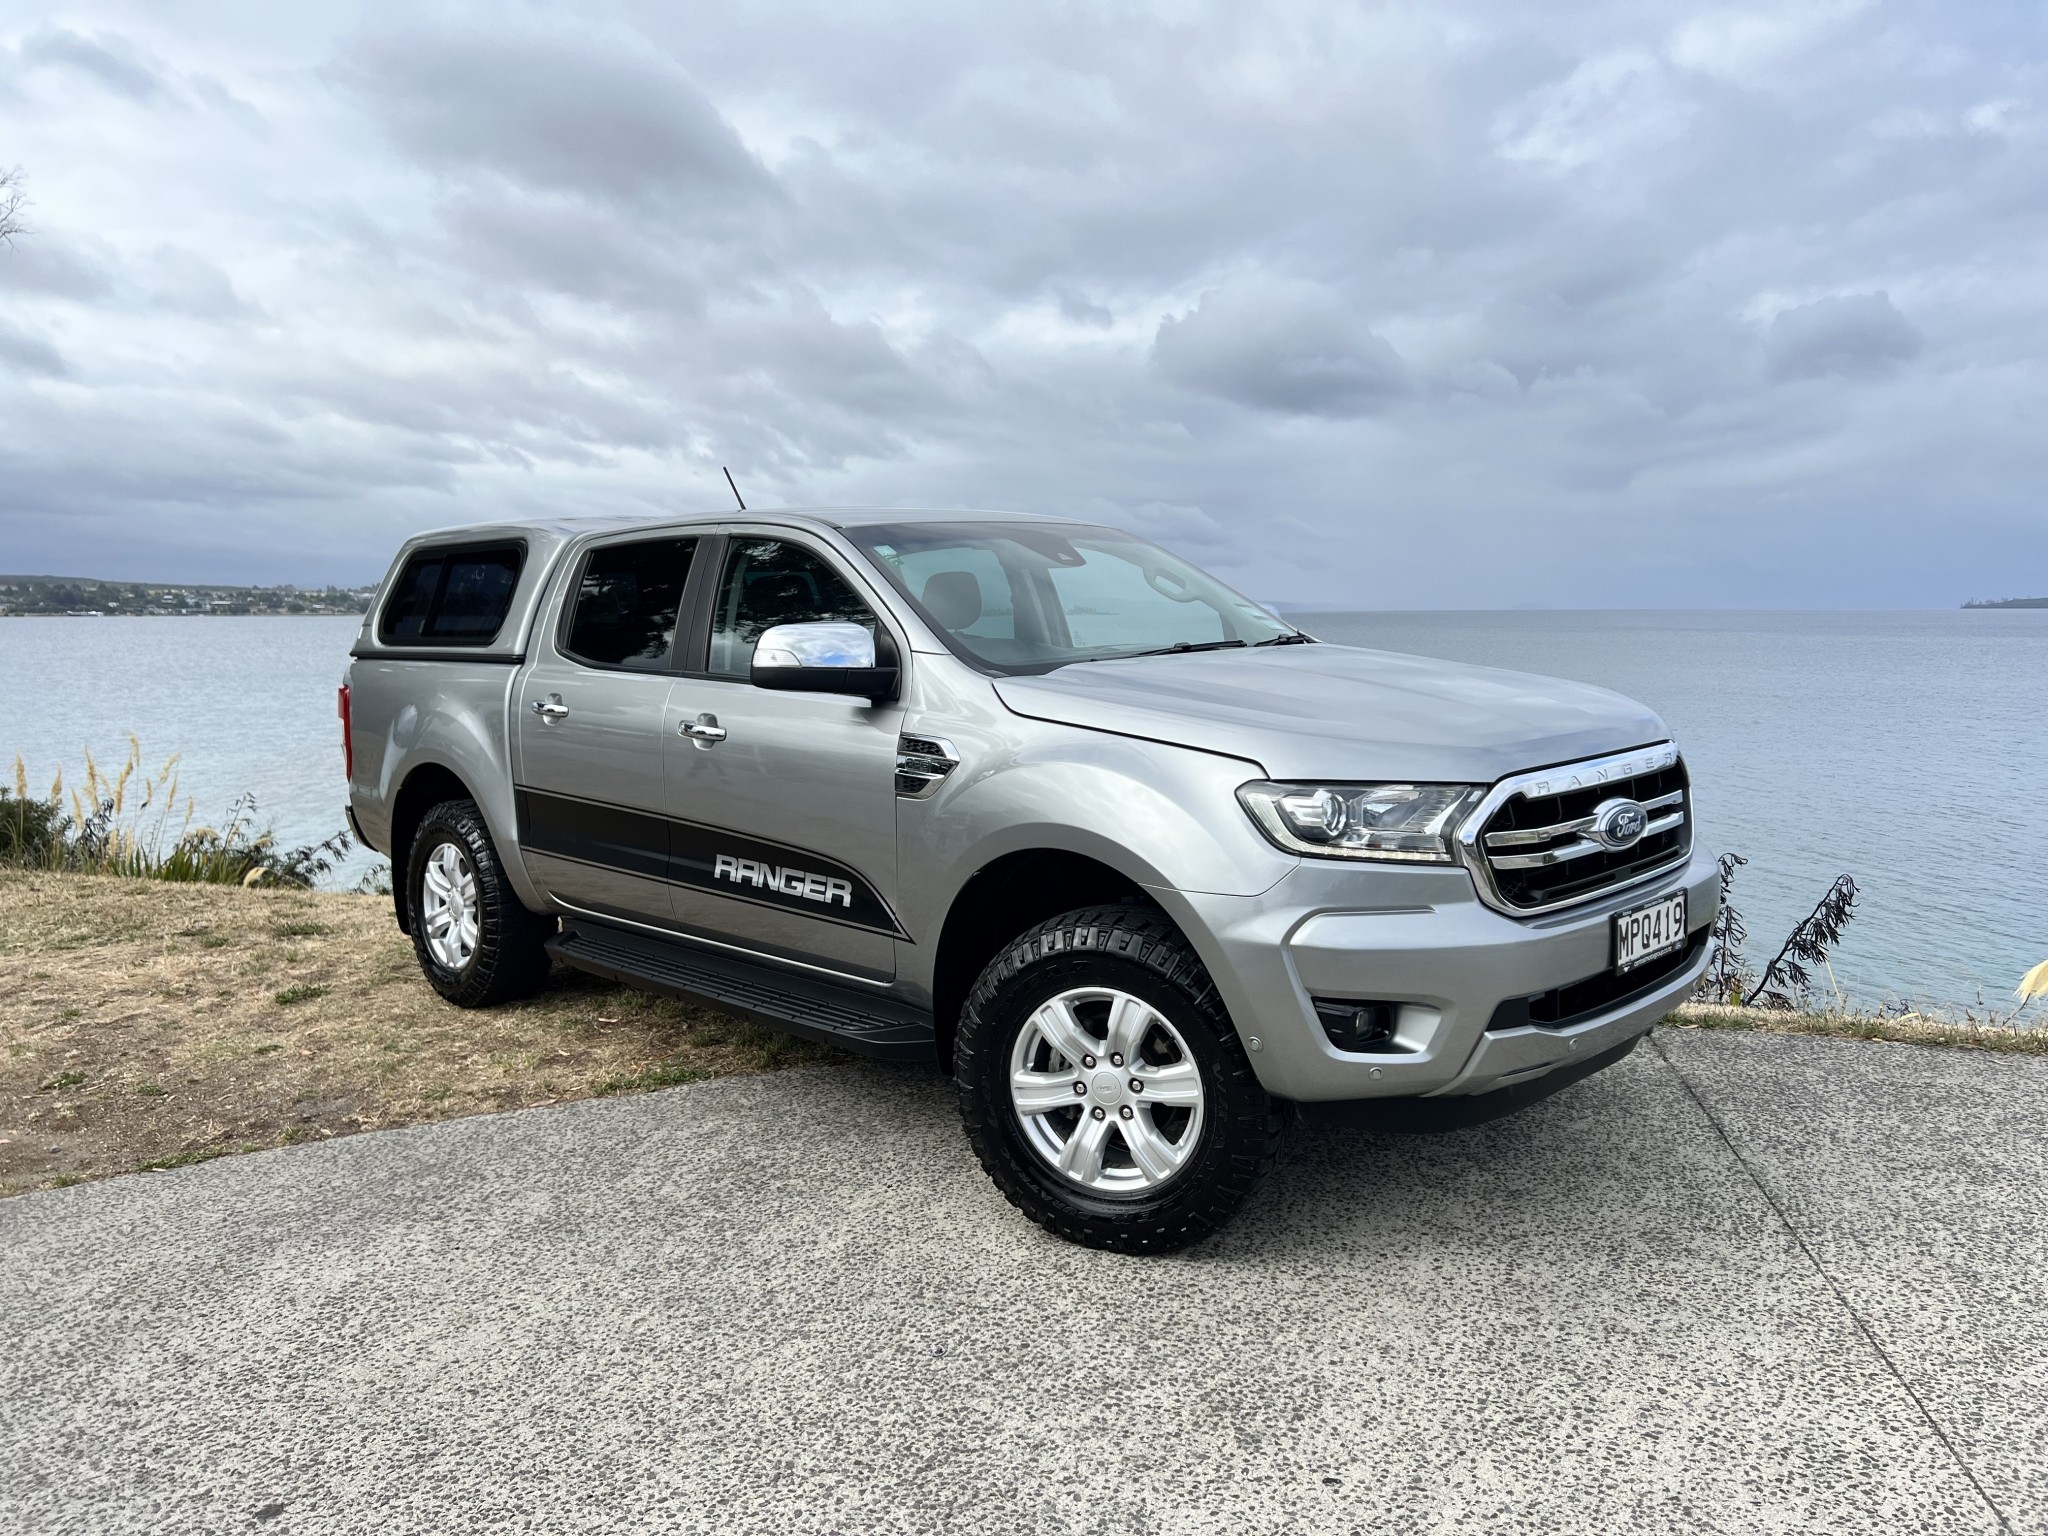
x=593, y=699
x=782, y=832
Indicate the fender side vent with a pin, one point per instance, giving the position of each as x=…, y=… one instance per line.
x=922, y=763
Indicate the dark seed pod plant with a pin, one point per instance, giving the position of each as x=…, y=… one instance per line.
x=1787, y=979
x=1728, y=975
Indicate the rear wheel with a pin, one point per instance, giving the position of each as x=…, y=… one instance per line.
x=1104, y=1088
x=475, y=941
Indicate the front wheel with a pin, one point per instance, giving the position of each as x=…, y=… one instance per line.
x=476, y=943
x=1104, y=1089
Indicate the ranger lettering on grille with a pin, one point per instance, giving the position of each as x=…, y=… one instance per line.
x=790, y=882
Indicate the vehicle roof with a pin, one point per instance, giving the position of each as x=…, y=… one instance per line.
x=566, y=528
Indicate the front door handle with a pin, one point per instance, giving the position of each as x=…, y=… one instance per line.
x=705, y=730
x=551, y=707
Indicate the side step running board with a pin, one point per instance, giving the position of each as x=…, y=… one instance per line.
x=804, y=1005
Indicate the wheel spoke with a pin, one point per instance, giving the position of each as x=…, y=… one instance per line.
x=1151, y=1151
x=1040, y=1093
x=1130, y=1018
x=1114, y=1144
x=1176, y=1083
x=439, y=920
x=436, y=881
x=1081, y=1157
x=1055, y=1020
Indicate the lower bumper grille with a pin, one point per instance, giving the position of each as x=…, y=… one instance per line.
x=1562, y=1007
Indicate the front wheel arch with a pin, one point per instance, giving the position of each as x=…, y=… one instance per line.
x=1007, y=897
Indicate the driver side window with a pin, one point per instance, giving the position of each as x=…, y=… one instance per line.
x=767, y=582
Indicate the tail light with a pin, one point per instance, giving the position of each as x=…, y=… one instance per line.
x=348, y=740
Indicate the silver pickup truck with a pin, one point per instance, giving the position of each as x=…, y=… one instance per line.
x=1149, y=871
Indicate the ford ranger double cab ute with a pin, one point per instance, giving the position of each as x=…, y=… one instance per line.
x=1146, y=869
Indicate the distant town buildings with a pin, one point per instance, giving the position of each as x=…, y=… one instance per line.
x=26, y=595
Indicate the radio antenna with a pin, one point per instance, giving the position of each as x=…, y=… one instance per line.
x=736, y=496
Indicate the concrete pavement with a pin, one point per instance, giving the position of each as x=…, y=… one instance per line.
x=1739, y=1283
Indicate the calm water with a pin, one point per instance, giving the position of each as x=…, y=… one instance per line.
x=247, y=703
x=1906, y=749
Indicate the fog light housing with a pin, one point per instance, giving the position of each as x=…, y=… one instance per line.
x=1358, y=1026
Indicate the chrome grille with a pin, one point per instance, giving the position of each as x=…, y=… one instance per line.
x=1549, y=839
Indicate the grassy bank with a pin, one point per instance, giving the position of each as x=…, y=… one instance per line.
x=1900, y=1028
x=145, y=1025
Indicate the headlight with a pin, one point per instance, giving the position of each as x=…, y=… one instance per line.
x=1412, y=823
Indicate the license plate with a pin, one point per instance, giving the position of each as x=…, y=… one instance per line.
x=1648, y=932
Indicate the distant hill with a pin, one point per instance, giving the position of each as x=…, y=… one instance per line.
x=2008, y=602
x=29, y=595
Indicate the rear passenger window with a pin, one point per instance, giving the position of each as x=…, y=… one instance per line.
x=452, y=596
x=626, y=604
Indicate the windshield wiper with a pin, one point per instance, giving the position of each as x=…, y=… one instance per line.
x=1293, y=637
x=1181, y=647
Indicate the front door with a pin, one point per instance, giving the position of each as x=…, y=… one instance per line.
x=592, y=703
x=782, y=831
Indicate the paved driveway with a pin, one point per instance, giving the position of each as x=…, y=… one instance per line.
x=1739, y=1283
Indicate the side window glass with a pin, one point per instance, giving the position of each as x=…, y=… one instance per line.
x=767, y=582
x=475, y=594
x=627, y=600
x=452, y=597
x=412, y=600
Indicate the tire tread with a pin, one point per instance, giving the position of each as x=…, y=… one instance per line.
x=1256, y=1131
x=511, y=959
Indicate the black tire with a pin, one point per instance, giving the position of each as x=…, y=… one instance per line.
x=1138, y=951
x=510, y=959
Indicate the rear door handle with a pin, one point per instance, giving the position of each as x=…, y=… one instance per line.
x=551, y=707
x=705, y=730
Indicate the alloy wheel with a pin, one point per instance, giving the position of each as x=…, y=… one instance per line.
x=1106, y=1091
x=448, y=906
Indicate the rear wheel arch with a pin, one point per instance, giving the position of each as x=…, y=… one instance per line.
x=425, y=787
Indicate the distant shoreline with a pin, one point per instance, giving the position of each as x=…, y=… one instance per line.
x=73, y=597
x=2007, y=602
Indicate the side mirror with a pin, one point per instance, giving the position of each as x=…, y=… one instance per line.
x=823, y=658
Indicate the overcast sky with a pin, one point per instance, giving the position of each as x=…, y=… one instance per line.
x=1440, y=305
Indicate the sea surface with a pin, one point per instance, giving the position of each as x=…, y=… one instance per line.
x=1909, y=750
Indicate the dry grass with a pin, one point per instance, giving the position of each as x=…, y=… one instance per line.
x=1903, y=1029
x=145, y=1025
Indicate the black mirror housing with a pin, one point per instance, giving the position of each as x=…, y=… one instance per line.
x=875, y=683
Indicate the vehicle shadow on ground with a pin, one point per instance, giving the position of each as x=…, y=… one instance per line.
x=1622, y=1159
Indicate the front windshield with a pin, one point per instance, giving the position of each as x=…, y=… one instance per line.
x=1028, y=597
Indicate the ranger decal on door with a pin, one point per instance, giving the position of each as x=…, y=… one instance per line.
x=791, y=882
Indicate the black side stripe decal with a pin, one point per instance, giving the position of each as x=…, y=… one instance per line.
x=703, y=858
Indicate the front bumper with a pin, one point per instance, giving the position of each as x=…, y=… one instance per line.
x=1421, y=938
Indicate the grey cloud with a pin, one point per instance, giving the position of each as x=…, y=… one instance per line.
x=1278, y=346
x=1857, y=336
x=1469, y=276
x=29, y=354
x=112, y=62
x=46, y=264
x=188, y=283
x=569, y=113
